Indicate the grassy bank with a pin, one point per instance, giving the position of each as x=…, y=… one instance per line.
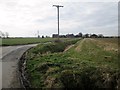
x=89, y=63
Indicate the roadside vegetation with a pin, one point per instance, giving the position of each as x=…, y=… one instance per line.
x=78, y=63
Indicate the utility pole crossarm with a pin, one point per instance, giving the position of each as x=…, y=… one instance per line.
x=57, y=6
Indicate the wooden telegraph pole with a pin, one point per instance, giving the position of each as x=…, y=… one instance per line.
x=58, y=16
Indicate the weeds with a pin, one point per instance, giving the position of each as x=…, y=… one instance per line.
x=50, y=67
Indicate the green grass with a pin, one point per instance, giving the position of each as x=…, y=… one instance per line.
x=22, y=41
x=88, y=64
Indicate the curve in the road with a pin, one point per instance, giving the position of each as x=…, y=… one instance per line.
x=10, y=76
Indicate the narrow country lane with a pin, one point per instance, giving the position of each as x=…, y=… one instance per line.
x=9, y=62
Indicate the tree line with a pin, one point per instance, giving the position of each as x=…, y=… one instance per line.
x=4, y=34
x=78, y=35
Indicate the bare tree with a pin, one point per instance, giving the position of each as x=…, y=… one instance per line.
x=38, y=34
x=2, y=35
x=7, y=34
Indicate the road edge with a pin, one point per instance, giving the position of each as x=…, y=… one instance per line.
x=22, y=71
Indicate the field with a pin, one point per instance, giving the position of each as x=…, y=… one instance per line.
x=22, y=41
x=84, y=63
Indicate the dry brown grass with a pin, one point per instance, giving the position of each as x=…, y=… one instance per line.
x=78, y=48
x=106, y=45
x=68, y=48
x=49, y=82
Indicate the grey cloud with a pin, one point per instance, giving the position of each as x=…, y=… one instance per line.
x=74, y=17
x=104, y=16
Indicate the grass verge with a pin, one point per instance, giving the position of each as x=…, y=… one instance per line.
x=85, y=65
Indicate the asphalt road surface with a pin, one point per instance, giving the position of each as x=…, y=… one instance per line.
x=9, y=57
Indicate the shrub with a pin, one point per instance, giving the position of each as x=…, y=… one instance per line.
x=71, y=79
x=90, y=77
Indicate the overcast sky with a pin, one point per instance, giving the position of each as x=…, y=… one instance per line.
x=26, y=17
